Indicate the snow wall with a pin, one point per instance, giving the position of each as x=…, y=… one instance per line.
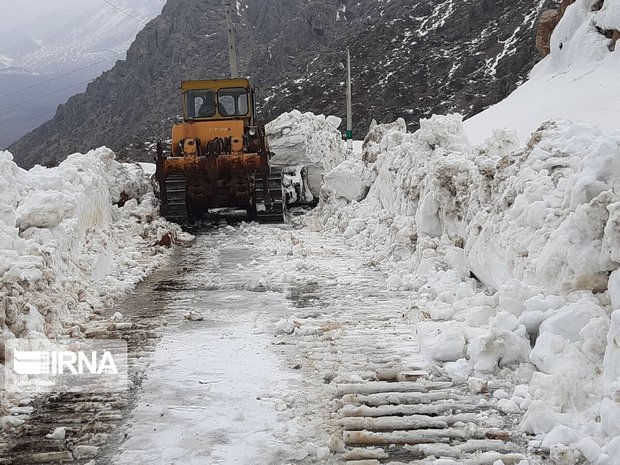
x=512, y=253
x=511, y=248
x=306, y=140
x=72, y=238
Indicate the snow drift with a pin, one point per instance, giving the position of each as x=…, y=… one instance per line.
x=511, y=253
x=509, y=248
x=71, y=239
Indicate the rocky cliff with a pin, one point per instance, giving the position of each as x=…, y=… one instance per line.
x=549, y=19
x=410, y=59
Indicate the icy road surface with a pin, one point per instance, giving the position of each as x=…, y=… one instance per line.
x=302, y=356
x=213, y=389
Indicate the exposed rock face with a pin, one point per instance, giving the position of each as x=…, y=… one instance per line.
x=546, y=24
x=549, y=19
x=411, y=58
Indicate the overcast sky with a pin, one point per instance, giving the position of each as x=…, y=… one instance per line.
x=16, y=12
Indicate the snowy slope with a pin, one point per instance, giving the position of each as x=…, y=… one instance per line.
x=81, y=36
x=578, y=81
x=5, y=62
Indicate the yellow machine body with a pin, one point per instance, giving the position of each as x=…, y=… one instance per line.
x=218, y=150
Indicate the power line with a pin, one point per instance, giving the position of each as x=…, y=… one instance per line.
x=44, y=95
x=55, y=78
x=16, y=123
x=123, y=11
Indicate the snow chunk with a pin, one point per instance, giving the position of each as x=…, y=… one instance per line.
x=497, y=348
x=394, y=283
x=193, y=316
x=305, y=139
x=508, y=406
x=442, y=342
x=560, y=435
x=43, y=209
x=118, y=316
x=285, y=327
x=58, y=433
x=458, y=371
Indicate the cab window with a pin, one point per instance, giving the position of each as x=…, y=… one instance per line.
x=200, y=103
x=233, y=102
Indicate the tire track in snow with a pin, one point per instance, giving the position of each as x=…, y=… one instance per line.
x=93, y=421
x=383, y=403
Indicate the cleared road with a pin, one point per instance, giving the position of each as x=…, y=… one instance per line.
x=273, y=345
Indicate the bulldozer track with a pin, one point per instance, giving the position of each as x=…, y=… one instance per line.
x=270, y=197
x=175, y=208
x=94, y=421
x=389, y=403
x=400, y=410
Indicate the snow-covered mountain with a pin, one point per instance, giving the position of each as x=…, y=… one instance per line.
x=43, y=62
x=82, y=36
x=5, y=62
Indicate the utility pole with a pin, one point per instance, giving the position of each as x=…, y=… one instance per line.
x=349, y=103
x=232, y=41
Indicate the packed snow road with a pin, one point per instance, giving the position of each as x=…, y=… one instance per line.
x=275, y=345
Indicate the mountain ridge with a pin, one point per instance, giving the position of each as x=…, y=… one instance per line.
x=410, y=60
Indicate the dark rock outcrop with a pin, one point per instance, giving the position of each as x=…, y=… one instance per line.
x=547, y=22
x=549, y=19
x=546, y=25
x=410, y=59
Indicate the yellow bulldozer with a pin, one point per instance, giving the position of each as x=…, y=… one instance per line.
x=219, y=156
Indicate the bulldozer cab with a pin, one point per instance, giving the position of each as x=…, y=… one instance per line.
x=220, y=99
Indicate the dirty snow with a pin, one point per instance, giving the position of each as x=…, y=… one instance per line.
x=72, y=238
x=508, y=250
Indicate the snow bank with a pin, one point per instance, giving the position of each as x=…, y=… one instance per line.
x=72, y=238
x=507, y=250
x=510, y=248
x=304, y=139
x=577, y=81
